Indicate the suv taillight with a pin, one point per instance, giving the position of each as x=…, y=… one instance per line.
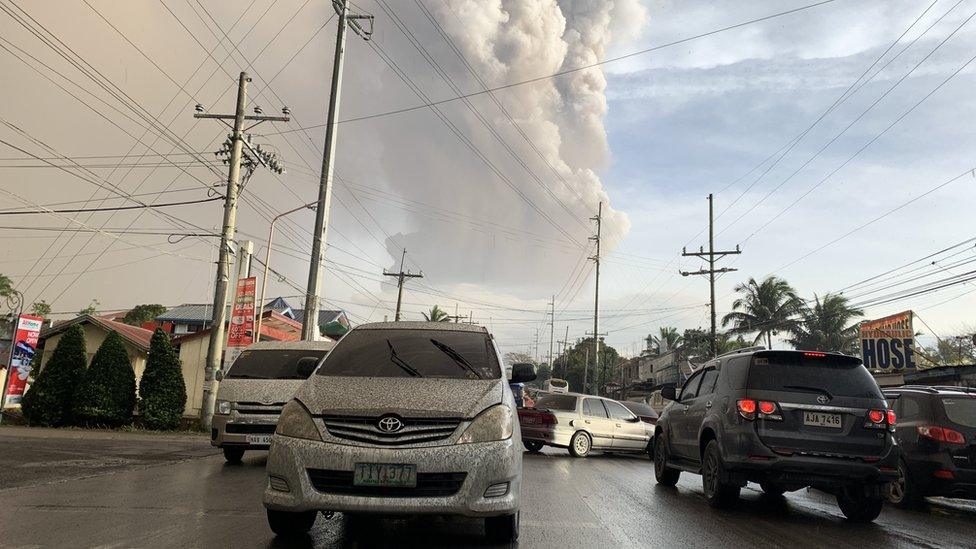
x=747, y=408
x=941, y=434
x=879, y=419
x=765, y=409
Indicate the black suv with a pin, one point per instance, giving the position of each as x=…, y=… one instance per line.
x=783, y=419
x=937, y=435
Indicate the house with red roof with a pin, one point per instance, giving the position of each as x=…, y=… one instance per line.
x=96, y=329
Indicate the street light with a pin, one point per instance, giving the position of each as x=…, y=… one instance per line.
x=267, y=262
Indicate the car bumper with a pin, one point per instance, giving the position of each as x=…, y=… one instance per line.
x=221, y=438
x=486, y=464
x=806, y=470
x=961, y=485
x=547, y=435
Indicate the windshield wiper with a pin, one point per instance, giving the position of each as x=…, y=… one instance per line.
x=456, y=357
x=395, y=359
x=812, y=389
x=244, y=376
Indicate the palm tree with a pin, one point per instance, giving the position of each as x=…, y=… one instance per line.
x=667, y=339
x=827, y=325
x=765, y=309
x=436, y=314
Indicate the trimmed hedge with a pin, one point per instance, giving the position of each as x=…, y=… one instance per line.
x=49, y=401
x=106, y=395
x=161, y=388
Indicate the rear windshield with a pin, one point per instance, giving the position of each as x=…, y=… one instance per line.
x=271, y=363
x=566, y=403
x=960, y=410
x=795, y=372
x=413, y=353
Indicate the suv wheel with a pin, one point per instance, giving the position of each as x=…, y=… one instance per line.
x=663, y=474
x=858, y=506
x=717, y=492
x=233, y=454
x=532, y=445
x=579, y=445
x=903, y=492
x=503, y=529
x=287, y=524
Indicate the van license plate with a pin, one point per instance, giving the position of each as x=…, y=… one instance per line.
x=263, y=440
x=822, y=420
x=385, y=474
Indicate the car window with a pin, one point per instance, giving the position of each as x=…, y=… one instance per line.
x=551, y=401
x=735, y=370
x=271, y=363
x=617, y=411
x=413, y=353
x=594, y=408
x=690, y=389
x=909, y=408
x=707, y=386
x=640, y=409
x=793, y=371
x=960, y=410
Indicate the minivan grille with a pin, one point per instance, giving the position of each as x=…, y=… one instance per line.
x=414, y=431
x=259, y=408
x=250, y=428
x=428, y=485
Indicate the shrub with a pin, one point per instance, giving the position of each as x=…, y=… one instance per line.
x=49, y=400
x=106, y=394
x=161, y=389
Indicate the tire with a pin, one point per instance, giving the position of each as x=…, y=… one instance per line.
x=664, y=475
x=771, y=489
x=503, y=529
x=718, y=493
x=289, y=525
x=580, y=444
x=233, y=454
x=533, y=445
x=858, y=506
x=903, y=492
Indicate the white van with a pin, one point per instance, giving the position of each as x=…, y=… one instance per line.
x=556, y=385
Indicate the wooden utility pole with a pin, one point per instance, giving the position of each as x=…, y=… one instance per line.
x=401, y=277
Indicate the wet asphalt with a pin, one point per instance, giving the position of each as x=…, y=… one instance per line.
x=87, y=489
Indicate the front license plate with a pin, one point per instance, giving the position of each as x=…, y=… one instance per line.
x=819, y=419
x=259, y=439
x=385, y=474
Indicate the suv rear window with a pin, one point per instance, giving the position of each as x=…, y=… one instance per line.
x=413, y=353
x=565, y=403
x=960, y=410
x=796, y=372
x=271, y=363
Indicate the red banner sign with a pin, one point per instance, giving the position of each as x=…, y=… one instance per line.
x=22, y=350
x=240, y=333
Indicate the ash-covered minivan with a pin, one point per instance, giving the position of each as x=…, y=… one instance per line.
x=254, y=390
x=401, y=418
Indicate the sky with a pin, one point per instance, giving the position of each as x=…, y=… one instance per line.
x=825, y=135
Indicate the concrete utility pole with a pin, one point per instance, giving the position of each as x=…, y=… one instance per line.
x=712, y=256
x=564, y=344
x=456, y=317
x=235, y=145
x=552, y=328
x=537, y=345
x=401, y=276
x=267, y=257
x=596, y=361
x=314, y=290
x=596, y=297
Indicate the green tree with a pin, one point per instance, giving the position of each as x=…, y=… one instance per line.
x=143, y=313
x=667, y=339
x=41, y=308
x=49, y=401
x=90, y=310
x=107, y=392
x=6, y=286
x=161, y=389
x=827, y=326
x=950, y=351
x=436, y=314
x=765, y=309
x=570, y=365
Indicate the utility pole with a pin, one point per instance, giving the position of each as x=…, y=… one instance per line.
x=401, y=277
x=596, y=296
x=712, y=256
x=565, y=349
x=233, y=147
x=310, y=320
x=457, y=317
x=537, y=345
x=552, y=327
x=596, y=359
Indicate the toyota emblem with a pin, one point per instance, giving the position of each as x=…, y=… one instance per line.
x=389, y=424
x=822, y=399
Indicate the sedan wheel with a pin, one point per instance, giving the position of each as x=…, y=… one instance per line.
x=579, y=446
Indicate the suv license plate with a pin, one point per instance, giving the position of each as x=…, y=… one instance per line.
x=822, y=420
x=259, y=439
x=385, y=474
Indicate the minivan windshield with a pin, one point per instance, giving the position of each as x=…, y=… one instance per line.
x=960, y=410
x=828, y=375
x=413, y=353
x=271, y=363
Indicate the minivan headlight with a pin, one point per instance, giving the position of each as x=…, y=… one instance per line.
x=223, y=407
x=296, y=422
x=495, y=423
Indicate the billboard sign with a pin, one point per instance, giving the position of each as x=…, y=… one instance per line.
x=889, y=343
x=240, y=333
x=22, y=350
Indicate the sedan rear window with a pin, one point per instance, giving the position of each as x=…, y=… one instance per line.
x=271, y=363
x=961, y=411
x=565, y=403
x=813, y=373
x=413, y=353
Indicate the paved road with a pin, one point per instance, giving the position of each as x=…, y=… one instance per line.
x=177, y=492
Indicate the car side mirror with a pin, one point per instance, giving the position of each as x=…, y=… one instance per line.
x=523, y=372
x=219, y=375
x=668, y=392
x=634, y=419
x=306, y=366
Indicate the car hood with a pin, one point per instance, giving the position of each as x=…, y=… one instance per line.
x=408, y=397
x=263, y=391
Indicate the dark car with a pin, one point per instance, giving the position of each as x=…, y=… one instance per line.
x=786, y=420
x=937, y=435
x=641, y=410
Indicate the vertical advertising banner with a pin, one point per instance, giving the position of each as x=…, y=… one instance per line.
x=889, y=343
x=240, y=333
x=22, y=350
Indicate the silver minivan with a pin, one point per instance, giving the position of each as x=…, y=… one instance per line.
x=401, y=418
x=255, y=388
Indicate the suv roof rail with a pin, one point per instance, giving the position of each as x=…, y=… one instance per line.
x=926, y=388
x=955, y=388
x=743, y=350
